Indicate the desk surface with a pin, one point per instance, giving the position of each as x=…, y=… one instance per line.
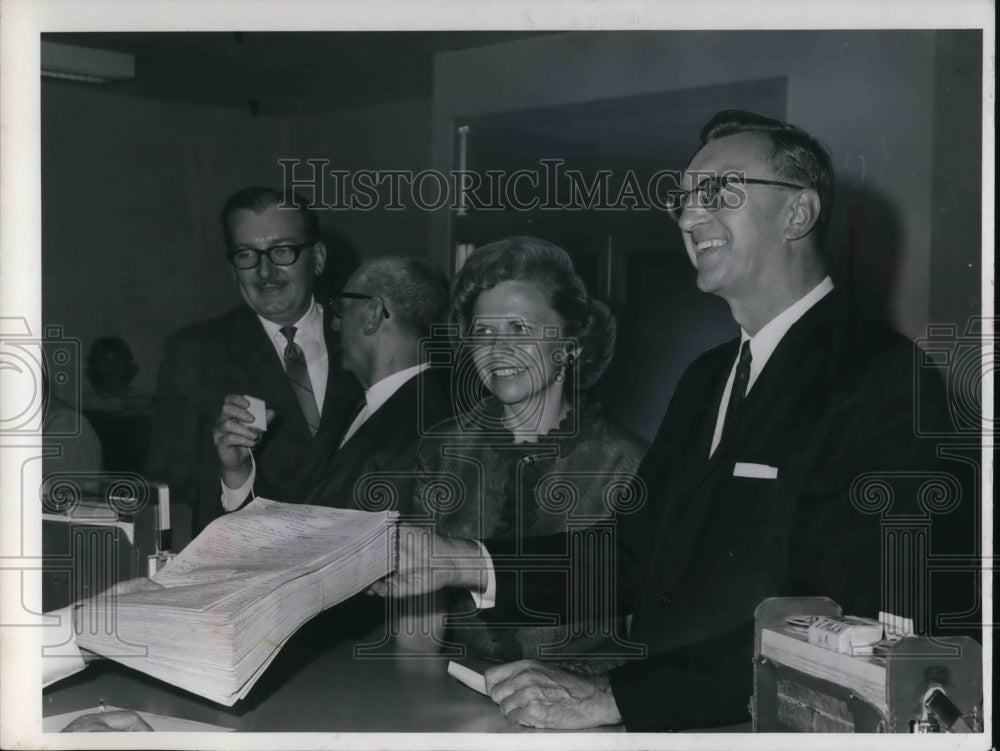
x=306, y=689
x=315, y=684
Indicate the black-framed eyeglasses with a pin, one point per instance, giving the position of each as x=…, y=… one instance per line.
x=709, y=194
x=336, y=305
x=279, y=255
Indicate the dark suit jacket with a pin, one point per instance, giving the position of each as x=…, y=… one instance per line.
x=374, y=469
x=233, y=355
x=834, y=402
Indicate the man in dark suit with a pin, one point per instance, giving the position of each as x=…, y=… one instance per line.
x=384, y=315
x=385, y=312
x=759, y=482
x=276, y=349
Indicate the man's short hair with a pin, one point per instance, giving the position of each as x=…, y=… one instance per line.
x=796, y=156
x=414, y=292
x=257, y=199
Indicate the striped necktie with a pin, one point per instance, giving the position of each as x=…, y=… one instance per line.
x=740, y=383
x=298, y=376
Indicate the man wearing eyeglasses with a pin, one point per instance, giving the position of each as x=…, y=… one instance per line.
x=385, y=313
x=276, y=348
x=751, y=486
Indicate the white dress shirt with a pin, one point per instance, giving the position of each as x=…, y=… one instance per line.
x=763, y=344
x=379, y=394
x=310, y=336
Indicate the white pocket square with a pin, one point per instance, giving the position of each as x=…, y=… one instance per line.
x=760, y=471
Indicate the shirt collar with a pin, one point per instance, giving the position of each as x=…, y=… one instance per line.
x=308, y=328
x=380, y=392
x=763, y=344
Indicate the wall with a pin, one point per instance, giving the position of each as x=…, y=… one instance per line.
x=957, y=238
x=393, y=136
x=131, y=190
x=867, y=95
x=131, y=187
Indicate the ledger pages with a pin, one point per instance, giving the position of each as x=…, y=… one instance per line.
x=237, y=592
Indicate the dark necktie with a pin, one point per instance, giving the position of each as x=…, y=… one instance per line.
x=298, y=376
x=740, y=382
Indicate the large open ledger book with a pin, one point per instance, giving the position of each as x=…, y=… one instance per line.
x=237, y=592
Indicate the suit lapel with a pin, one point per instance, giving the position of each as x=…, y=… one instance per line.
x=788, y=370
x=697, y=465
x=684, y=464
x=399, y=410
x=340, y=399
x=796, y=364
x=334, y=387
x=370, y=441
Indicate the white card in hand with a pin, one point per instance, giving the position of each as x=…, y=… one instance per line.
x=257, y=409
x=472, y=679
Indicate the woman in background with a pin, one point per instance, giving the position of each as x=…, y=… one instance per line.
x=534, y=454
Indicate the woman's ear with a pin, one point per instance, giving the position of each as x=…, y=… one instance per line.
x=570, y=358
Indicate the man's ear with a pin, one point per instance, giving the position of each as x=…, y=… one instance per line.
x=373, y=315
x=803, y=213
x=319, y=257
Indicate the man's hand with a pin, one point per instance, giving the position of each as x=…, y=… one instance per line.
x=116, y=721
x=234, y=438
x=429, y=562
x=540, y=696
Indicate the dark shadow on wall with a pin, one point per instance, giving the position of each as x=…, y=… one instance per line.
x=342, y=258
x=865, y=249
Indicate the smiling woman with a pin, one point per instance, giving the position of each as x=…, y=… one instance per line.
x=536, y=337
x=534, y=455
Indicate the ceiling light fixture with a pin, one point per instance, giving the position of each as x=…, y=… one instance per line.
x=66, y=61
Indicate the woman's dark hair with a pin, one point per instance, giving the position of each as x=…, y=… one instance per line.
x=530, y=259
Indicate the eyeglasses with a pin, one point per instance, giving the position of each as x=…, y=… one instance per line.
x=279, y=255
x=336, y=306
x=709, y=193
